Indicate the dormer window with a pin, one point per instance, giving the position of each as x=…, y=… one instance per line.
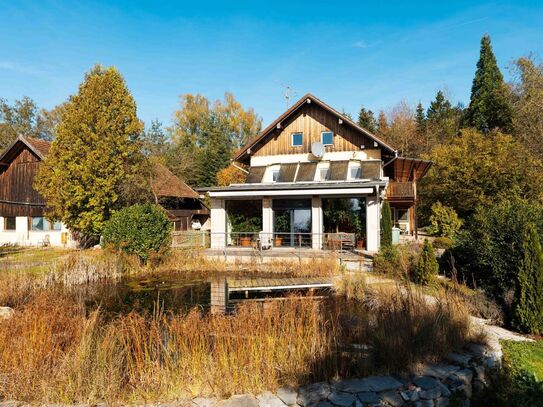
x=355, y=172
x=327, y=138
x=275, y=175
x=323, y=174
x=297, y=139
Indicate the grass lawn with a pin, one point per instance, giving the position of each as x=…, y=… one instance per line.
x=31, y=260
x=527, y=356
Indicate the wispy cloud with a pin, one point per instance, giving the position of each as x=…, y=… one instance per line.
x=22, y=69
x=362, y=44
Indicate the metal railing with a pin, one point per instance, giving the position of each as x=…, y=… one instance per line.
x=339, y=242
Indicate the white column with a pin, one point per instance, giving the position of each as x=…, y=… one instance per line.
x=21, y=229
x=316, y=222
x=218, y=223
x=267, y=221
x=373, y=217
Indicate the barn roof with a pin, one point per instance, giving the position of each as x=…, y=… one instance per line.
x=165, y=184
x=37, y=146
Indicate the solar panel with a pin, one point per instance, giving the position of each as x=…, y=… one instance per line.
x=338, y=170
x=306, y=172
x=287, y=172
x=255, y=175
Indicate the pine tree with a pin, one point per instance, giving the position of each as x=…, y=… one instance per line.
x=386, y=225
x=489, y=106
x=420, y=119
x=94, y=160
x=427, y=268
x=382, y=124
x=528, y=309
x=366, y=120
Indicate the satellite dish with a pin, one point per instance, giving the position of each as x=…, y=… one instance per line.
x=317, y=149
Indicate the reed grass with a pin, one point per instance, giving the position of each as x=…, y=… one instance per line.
x=53, y=351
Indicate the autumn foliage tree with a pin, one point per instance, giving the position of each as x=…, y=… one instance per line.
x=93, y=165
x=231, y=175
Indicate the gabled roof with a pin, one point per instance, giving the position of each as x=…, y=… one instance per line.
x=292, y=110
x=409, y=169
x=165, y=184
x=37, y=146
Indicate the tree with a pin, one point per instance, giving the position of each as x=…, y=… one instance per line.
x=476, y=169
x=205, y=136
x=386, y=225
x=47, y=122
x=382, y=124
x=528, y=309
x=427, y=268
x=231, y=175
x=403, y=132
x=366, y=120
x=443, y=120
x=420, y=119
x=154, y=140
x=527, y=104
x=444, y=221
x=94, y=166
x=489, y=106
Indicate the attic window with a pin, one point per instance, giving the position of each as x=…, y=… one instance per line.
x=327, y=138
x=297, y=139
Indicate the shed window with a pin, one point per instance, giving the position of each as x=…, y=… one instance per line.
x=297, y=139
x=9, y=223
x=327, y=138
x=40, y=224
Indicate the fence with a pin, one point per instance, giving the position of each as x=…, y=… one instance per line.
x=267, y=241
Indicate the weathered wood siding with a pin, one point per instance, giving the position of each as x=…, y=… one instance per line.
x=17, y=194
x=312, y=120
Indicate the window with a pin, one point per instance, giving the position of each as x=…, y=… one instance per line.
x=297, y=139
x=355, y=172
x=323, y=172
x=40, y=224
x=9, y=223
x=275, y=175
x=327, y=138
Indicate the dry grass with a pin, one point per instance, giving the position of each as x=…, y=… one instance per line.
x=52, y=351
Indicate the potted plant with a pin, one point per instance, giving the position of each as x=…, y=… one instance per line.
x=246, y=227
x=359, y=232
x=281, y=226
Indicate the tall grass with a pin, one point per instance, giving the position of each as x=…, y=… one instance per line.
x=53, y=351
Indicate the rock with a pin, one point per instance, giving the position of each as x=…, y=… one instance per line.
x=424, y=403
x=426, y=383
x=368, y=397
x=477, y=349
x=10, y=403
x=493, y=359
x=461, y=359
x=440, y=371
x=383, y=383
x=313, y=393
x=342, y=399
x=442, y=402
x=478, y=385
x=287, y=395
x=430, y=394
x=480, y=373
x=323, y=403
x=5, y=313
x=445, y=392
x=268, y=399
x=467, y=403
x=204, y=402
x=352, y=385
x=465, y=375
x=242, y=400
x=392, y=398
x=410, y=395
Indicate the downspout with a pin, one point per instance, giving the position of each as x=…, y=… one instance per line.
x=239, y=168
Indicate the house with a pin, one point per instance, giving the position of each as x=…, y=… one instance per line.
x=22, y=209
x=316, y=179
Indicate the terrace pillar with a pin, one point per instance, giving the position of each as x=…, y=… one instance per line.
x=267, y=220
x=218, y=223
x=316, y=222
x=373, y=220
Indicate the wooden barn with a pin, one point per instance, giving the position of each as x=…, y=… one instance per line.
x=22, y=209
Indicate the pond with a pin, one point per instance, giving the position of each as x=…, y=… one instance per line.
x=178, y=293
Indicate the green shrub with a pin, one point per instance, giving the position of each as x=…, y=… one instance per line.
x=528, y=307
x=427, y=267
x=386, y=225
x=142, y=230
x=444, y=221
x=443, y=242
x=397, y=260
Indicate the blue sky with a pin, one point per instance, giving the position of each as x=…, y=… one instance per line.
x=347, y=54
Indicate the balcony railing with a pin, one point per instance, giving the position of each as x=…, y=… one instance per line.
x=400, y=190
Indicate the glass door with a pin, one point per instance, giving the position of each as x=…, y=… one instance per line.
x=292, y=222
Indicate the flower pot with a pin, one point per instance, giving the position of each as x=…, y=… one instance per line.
x=278, y=241
x=245, y=241
x=360, y=244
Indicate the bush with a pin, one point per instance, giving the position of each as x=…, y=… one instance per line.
x=386, y=225
x=444, y=221
x=427, y=267
x=142, y=230
x=528, y=307
x=443, y=242
x=395, y=260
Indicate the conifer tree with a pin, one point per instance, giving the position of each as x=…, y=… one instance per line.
x=366, y=120
x=386, y=225
x=95, y=158
x=420, y=119
x=528, y=310
x=489, y=106
x=382, y=124
x=427, y=267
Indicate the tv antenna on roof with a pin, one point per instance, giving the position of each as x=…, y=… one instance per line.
x=288, y=92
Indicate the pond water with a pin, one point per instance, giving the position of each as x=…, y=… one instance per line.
x=171, y=292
